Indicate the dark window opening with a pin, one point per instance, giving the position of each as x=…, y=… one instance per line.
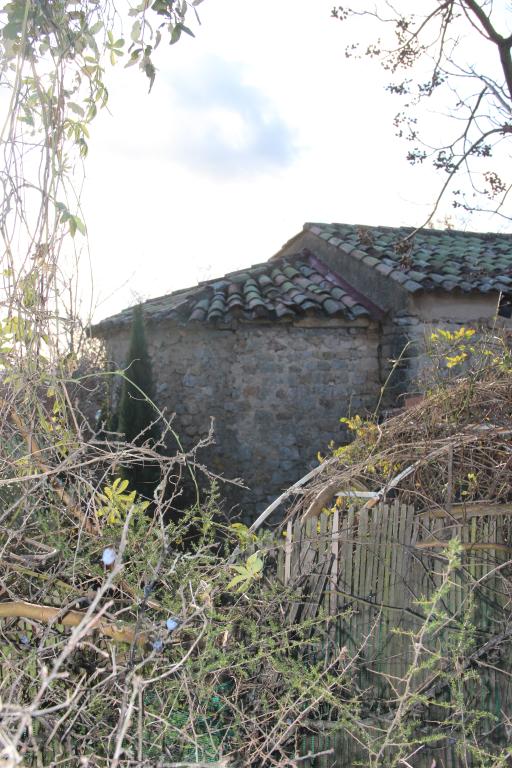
x=505, y=306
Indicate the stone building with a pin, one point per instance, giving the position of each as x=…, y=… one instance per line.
x=278, y=352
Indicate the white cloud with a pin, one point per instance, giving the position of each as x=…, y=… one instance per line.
x=224, y=127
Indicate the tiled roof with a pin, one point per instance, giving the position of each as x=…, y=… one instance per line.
x=289, y=288
x=431, y=259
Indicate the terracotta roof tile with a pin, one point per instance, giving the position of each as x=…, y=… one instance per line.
x=288, y=288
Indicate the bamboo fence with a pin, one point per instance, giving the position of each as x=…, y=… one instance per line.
x=367, y=573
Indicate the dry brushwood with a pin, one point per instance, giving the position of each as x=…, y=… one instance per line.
x=431, y=453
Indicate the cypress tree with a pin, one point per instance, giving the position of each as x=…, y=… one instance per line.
x=136, y=412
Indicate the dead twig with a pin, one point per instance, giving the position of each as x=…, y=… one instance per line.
x=121, y=633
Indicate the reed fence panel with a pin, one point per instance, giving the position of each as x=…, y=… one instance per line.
x=364, y=577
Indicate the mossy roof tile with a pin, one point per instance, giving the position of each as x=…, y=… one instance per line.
x=282, y=311
x=198, y=314
x=429, y=258
x=338, y=293
x=331, y=306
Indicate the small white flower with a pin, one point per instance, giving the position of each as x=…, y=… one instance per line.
x=172, y=624
x=109, y=555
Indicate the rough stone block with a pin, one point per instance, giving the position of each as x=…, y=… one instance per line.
x=189, y=380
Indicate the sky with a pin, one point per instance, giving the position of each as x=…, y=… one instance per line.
x=252, y=128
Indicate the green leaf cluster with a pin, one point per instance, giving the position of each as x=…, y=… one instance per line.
x=247, y=574
x=118, y=502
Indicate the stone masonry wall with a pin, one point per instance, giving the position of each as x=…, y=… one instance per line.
x=276, y=392
x=407, y=337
